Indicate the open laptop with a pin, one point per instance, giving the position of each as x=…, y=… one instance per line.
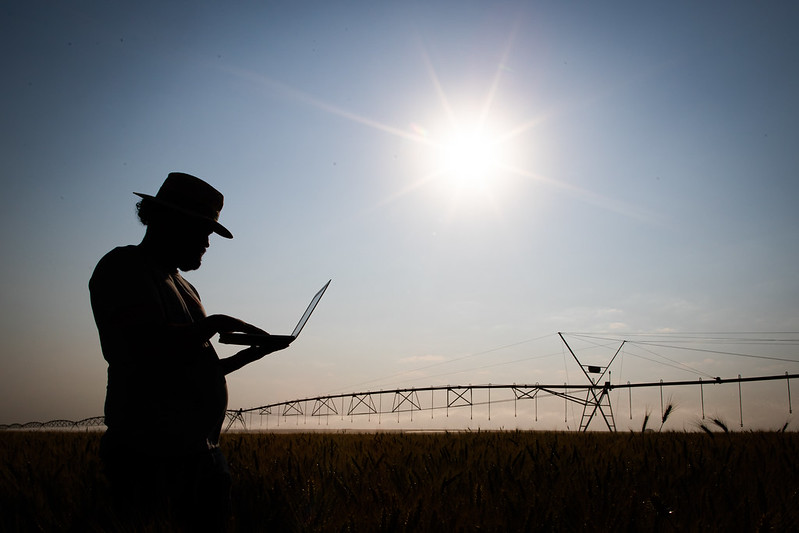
x=249, y=339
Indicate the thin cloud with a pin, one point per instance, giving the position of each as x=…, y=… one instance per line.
x=422, y=359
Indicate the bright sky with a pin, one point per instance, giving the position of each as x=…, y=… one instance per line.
x=473, y=176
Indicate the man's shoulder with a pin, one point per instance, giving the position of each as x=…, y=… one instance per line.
x=121, y=255
x=119, y=260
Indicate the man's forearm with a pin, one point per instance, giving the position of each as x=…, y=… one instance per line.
x=247, y=356
x=234, y=362
x=194, y=333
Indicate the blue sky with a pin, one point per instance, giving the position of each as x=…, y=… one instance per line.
x=642, y=180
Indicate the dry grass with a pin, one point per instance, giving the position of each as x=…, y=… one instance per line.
x=512, y=481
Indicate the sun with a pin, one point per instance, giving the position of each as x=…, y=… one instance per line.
x=469, y=158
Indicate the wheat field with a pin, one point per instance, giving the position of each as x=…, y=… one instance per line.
x=496, y=481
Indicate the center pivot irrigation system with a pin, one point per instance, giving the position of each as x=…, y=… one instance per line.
x=593, y=397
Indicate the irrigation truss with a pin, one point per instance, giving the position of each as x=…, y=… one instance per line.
x=93, y=422
x=594, y=399
x=593, y=396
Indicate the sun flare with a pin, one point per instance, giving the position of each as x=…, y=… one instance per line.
x=469, y=158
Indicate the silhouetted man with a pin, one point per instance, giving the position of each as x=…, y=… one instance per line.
x=166, y=396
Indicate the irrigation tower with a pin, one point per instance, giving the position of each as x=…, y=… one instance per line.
x=594, y=403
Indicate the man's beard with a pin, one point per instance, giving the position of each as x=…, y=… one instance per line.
x=190, y=261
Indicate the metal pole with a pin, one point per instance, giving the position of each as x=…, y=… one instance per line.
x=630, y=390
x=702, y=397
x=788, y=380
x=740, y=401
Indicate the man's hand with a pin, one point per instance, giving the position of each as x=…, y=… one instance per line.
x=228, y=324
x=204, y=329
x=248, y=355
x=253, y=353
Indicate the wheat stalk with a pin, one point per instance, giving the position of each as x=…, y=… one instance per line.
x=706, y=429
x=720, y=423
x=666, y=413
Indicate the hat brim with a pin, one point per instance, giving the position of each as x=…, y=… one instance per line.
x=218, y=228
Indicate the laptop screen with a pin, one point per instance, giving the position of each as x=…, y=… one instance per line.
x=307, y=314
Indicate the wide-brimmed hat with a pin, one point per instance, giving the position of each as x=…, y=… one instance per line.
x=191, y=196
